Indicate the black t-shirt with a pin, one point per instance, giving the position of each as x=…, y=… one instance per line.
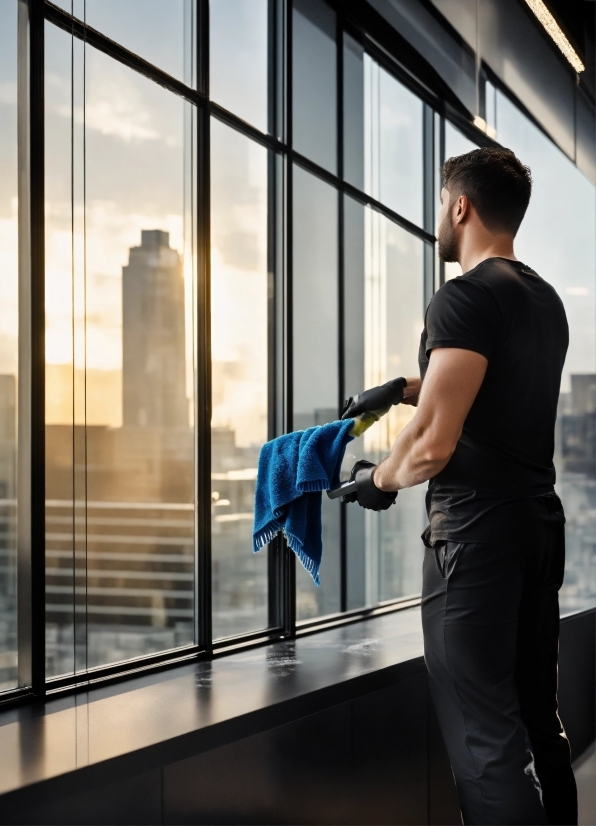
x=504, y=458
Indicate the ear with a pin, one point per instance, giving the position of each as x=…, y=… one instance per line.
x=461, y=209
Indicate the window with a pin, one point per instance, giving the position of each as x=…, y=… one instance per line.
x=120, y=287
x=240, y=374
x=239, y=71
x=560, y=244
x=385, y=301
x=9, y=345
x=316, y=356
x=233, y=246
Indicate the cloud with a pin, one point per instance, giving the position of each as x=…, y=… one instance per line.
x=113, y=117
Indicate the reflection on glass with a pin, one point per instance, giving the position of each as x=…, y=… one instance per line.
x=393, y=142
x=120, y=537
x=238, y=58
x=315, y=349
x=386, y=565
x=239, y=351
x=314, y=82
x=162, y=33
x=558, y=239
x=455, y=144
x=9, y=319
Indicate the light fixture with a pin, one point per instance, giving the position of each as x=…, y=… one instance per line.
x=554, y=30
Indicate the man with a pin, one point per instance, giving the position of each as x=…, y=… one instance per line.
x=491, y=356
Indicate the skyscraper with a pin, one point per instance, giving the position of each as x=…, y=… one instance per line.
x=153, y=375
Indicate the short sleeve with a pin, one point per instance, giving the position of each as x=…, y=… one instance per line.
x=463, y=313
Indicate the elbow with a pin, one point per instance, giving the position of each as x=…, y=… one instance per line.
x=438, y=453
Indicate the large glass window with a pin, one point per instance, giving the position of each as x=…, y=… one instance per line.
x=314, y=262
x=316, y=358
x=383, y=125
x=239, y=285
x=9, y=345
x=238, y=54
x=558, y=239
x=385, y=301
x=120, y=456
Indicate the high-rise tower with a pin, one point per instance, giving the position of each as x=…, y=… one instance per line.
x=154, y=371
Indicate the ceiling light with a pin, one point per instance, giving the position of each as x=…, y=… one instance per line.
x=553, y=28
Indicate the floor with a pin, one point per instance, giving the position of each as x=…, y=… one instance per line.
x=585, y=775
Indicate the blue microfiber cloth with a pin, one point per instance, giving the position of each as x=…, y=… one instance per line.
x=293, y=470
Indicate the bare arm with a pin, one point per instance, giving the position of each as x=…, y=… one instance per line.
x=425, y=446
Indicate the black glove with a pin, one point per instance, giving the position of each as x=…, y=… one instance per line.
x=376, y=400
x=367, y=494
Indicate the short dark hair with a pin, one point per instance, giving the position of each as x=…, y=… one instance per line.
x=496, y=182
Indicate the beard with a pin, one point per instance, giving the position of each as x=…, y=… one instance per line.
x=447, y=241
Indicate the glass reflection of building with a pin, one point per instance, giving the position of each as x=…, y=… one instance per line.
x=153, y=345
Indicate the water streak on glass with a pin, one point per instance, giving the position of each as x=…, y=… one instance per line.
x=9, y=344
x=557, y=238
x=315, y=322
x=239, y=280
x=120, y=292
x=238, y=73
x=162, y=33
x=314, y=82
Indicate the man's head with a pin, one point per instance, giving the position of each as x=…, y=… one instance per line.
x=488, y=190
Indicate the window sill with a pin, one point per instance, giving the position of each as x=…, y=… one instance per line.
x=148, y=721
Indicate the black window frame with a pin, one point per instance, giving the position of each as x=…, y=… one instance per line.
x=360, y=23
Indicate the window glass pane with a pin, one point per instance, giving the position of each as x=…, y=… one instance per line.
x=354, y=378
x=238, y=58
x=393, y=145
x=314, y=82
x=162, y=33
x=9, y=318
x=353, y=112
x=239, y=281
x=455, y=144
x=315, y=348
x=557, y=239
x=120, y=263
x=384, y=305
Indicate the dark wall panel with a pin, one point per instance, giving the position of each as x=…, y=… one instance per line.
x=133, y=800
x=390, y=752
x=364, y=762
x=292, y=774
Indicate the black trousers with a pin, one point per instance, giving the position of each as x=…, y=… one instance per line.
x=490, y=615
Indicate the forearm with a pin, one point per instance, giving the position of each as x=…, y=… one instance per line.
x=414, y=459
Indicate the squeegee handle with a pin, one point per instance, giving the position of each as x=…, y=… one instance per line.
x=342, y=490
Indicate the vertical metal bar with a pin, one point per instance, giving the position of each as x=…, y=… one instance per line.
x=203, y=406
x=274, y=560
x=428, y=167
x=289, y=560
x=31, y=407
x=343, y=551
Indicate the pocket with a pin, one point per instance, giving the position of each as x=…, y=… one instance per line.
x=446, y=555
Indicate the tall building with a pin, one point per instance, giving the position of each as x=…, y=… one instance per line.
x=154, y=358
